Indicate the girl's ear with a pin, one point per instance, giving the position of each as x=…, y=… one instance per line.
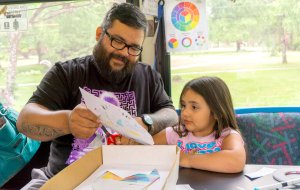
x=213, y=115
x=98, y=32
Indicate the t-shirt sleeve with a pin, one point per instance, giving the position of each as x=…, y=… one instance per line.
x=227, y=131
x=159, y=97
x=53, y=90
x=172, y=136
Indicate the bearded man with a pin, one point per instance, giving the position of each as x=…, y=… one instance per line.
x=56, y=113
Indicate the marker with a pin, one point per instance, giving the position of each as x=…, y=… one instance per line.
x=292, y=172
x=279, y=185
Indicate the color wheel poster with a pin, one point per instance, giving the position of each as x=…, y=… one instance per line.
x=186, y=25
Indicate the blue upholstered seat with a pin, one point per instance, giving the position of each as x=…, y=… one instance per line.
x=271, y=138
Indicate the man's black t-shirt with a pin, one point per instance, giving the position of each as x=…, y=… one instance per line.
x=141, y=92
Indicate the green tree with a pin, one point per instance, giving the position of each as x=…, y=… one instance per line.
x=56, y=31
x=270, y=23
x=232, y=22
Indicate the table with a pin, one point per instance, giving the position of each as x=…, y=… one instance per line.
x=205, y=180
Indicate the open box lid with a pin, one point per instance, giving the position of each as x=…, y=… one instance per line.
x=74, y=174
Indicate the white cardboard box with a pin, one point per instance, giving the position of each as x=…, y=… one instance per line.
x=83, y=173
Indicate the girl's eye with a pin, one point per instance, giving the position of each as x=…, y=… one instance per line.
x=195, y=107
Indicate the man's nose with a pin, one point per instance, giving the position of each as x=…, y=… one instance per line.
x=124, y=52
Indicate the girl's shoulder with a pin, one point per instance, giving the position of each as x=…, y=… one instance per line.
x=227, y=131
x=170, y=131
x=173, y=136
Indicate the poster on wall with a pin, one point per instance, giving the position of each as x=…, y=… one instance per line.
x=13, y=18
x=149, y=7
x=186, y=25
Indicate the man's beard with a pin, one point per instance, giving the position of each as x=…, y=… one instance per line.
x=102, y=59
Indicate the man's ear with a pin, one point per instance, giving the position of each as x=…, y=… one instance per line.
x=98, y=32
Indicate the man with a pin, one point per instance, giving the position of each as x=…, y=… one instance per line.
x=55, y=111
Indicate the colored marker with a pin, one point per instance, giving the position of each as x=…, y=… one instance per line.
x=279, y=185
x=292, y=172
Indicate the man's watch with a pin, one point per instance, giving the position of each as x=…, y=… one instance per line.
x=147, y=121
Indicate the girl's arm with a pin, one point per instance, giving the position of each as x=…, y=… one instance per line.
x=160, y=138
x=231, y=159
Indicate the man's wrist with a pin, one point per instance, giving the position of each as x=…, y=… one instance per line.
x=147, y=120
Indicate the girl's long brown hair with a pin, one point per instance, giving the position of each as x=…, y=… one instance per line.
x=217, y=95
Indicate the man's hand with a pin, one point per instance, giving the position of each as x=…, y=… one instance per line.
x=82, y=122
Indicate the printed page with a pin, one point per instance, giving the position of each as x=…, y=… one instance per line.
x=108, y=178
x=116, y=118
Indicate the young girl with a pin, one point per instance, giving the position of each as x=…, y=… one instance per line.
x=207, y=133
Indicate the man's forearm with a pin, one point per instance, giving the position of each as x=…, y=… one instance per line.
x=39, y=123
x=41, y=133
x=163, y=118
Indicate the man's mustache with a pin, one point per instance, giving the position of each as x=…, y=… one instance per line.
x=120, y=57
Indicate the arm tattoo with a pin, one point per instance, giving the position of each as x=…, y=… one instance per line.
x=163, y=118
x=41, y=131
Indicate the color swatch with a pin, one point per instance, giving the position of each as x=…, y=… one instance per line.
x=173, y=43
x=186, y=42
x=185, y=16
x=136, y=178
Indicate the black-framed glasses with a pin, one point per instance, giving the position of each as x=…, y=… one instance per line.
x=120, y=44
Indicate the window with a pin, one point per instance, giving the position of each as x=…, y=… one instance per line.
x=56, y=31
x=254, y=47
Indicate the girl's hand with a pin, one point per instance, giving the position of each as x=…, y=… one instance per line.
x=125, y=141
x=185, y=158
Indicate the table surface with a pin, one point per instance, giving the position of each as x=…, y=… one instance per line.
x=205, y=180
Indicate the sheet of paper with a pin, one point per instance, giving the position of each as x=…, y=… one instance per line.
x=183, y=187
x=110, y=180
x=116, y=185
x=149, y=7
x=116, y=118
x=94, y=181
x=262, y=172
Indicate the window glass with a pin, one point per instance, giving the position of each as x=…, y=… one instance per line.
x=254, y=47
x=56, y=31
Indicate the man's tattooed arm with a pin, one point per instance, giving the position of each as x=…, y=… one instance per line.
x=41, y=132
x=163, y=118
x=40, y=123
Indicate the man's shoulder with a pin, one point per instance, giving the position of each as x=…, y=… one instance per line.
x=144, y=68
x=79, y=61
x=143, y=65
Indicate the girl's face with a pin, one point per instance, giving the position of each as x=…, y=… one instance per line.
x=196, y=115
